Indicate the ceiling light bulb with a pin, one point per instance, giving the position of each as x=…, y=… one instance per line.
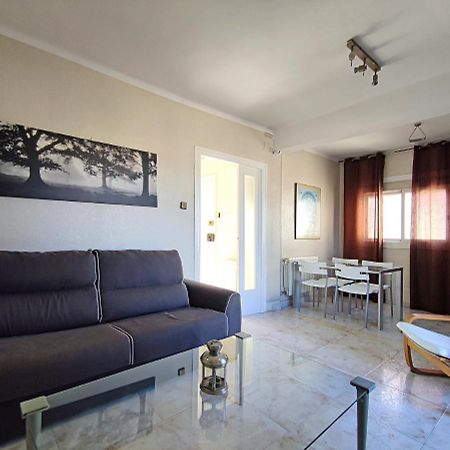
x=375, y=79
x=362, y=68
x=351, y=57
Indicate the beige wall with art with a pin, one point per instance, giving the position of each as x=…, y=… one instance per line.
x=44, y=91
x=311, y=169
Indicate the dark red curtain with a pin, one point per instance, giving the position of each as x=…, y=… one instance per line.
x=363, y=196
x=430, y=229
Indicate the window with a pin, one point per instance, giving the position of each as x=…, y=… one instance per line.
x=407, y=202
x=397, y=216
x=392, y=216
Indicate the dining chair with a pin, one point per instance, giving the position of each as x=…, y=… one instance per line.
x=350, y=262
x=359, y=284
x=388, y=277
x=319, y=279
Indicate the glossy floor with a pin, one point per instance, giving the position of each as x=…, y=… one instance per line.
x=301, y=365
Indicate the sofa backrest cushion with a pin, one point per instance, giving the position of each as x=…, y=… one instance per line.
x=47, y=291
x=137, y=282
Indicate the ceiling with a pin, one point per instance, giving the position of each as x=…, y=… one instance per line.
x=276, y=65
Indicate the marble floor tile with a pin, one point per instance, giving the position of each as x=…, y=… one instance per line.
x=395, y=373
x=439, y=439
x=404, y=413
x=297, y=380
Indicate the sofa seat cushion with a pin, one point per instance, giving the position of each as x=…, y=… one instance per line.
x=48, y=362
x=163, y=334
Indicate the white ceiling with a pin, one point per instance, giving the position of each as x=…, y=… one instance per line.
x=281, y=65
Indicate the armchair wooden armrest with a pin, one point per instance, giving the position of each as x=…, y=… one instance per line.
x=427, y=316
x=441, y=363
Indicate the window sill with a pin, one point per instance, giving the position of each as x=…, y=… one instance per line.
x=400, y=245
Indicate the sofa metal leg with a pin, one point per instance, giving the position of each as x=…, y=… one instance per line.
x=242, y=340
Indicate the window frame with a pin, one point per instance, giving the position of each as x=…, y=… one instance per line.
x=403, y=242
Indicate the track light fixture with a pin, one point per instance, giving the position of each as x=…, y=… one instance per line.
x=418, y=134
x=367, y=61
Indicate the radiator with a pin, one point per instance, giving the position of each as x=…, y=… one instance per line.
x=288, y=272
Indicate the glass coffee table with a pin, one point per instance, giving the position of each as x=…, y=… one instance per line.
x=276, y=400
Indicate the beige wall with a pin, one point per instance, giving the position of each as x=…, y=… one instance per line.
x=308, y=168
x=44, y=91
x=398, y=164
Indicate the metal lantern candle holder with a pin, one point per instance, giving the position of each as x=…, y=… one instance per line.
x=216, y=362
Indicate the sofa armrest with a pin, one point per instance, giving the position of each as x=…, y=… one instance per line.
x=203, y=295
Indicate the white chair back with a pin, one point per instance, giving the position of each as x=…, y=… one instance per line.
x=384, y=265
x=313, y=268
x=358, y=273
x=350, y=262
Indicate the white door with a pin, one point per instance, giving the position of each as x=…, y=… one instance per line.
x=250, y=239
x=229, y=236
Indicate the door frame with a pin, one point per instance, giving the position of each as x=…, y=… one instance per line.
x=262, y=167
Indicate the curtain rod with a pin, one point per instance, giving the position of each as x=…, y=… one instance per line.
x=399, y=150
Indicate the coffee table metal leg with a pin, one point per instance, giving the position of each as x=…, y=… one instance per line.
x=242, y=339
x=363, y=388
x=32, y=413
x=33, y=427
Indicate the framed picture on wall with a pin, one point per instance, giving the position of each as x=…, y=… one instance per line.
x=307, y=212
x=36, y=163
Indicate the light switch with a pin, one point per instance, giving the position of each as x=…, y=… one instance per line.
x=183, y=205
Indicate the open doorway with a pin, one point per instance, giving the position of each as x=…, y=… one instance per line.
x=229, y=226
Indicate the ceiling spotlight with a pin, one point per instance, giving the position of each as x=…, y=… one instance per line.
x=375, y=79
x=417, y=135
x=360, y=69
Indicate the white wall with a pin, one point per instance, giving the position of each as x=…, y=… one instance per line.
x=308, y=168
x=44, y=91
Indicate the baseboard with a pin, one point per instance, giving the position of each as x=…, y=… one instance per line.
x=278, y=304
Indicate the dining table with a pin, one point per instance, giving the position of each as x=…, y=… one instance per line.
x=379, y=272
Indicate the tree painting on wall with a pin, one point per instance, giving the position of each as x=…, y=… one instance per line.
x=41, y=164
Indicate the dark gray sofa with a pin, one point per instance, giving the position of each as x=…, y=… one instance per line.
x=74, y=316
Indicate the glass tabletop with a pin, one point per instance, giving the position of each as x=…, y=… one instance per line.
x=288, y=400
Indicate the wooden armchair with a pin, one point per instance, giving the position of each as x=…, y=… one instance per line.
x=432, y=346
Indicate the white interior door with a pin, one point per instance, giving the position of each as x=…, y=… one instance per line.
x=229, y=227
x=250, y=239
